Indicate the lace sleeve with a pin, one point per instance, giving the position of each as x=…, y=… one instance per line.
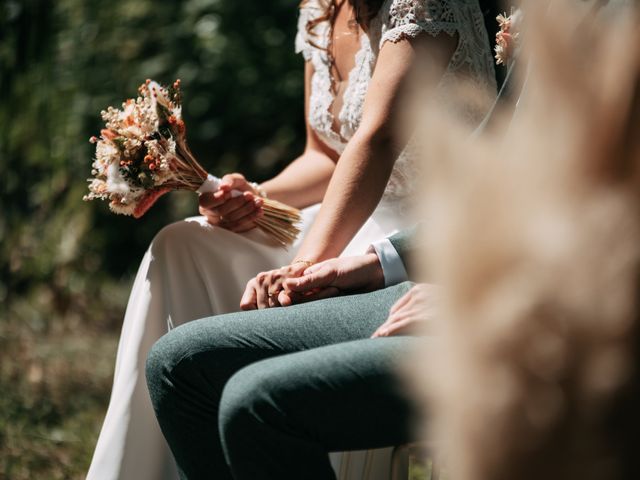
x=408, y=18
x=307, y=12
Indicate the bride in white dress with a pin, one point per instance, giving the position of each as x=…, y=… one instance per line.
x=357, y=55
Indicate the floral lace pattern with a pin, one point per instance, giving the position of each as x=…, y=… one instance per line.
x=396, y=20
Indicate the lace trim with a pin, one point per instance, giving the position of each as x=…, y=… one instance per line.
x=412, y=30
x=320, y=116
x=356, y=91
x=302, y=44
x=397, y=20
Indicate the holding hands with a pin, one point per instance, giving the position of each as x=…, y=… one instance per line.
x=334, y=277
x=265, y=290
x=238, y=214
x=301, y=282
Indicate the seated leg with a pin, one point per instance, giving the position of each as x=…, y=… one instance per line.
x=280, y=417
x=188, y=368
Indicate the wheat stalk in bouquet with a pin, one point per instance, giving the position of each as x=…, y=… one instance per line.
x=142, y=153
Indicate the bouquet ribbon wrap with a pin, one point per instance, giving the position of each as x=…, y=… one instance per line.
x=212, y=185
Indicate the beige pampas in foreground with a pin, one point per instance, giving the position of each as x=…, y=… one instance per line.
x=534, y=235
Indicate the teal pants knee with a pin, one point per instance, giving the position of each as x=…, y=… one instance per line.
x=267, y=394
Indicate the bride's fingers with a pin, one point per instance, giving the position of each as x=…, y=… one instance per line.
x=259, y=285
x=212, y=218
x=286, y=298
x=247, y=223
x=275, y=287
x=235, y=181
x=273, y=293
x=247, y=209
x=249, y=298
x=212, y=200
x=273, y=300
x=233, y=204
x=262, y=297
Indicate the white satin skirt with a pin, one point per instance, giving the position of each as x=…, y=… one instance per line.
x=176, y=285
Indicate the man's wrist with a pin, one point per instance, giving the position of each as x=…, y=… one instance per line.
x=393, y=269
x=374, y=271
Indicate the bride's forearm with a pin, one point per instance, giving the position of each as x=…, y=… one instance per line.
x=302, y=183
x=353, y=193
x=365, y=166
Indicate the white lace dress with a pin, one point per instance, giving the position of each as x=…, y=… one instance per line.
x=193, y=270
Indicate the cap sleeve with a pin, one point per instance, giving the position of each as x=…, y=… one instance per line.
x=404, y=19
x=303, y=45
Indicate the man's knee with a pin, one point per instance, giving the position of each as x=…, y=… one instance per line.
x=165, y=354
x=176, y=347
x=197, y=350
x=249, y=398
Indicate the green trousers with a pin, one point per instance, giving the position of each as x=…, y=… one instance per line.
x=267, y=394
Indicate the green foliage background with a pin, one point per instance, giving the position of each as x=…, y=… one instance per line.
x=66, y=265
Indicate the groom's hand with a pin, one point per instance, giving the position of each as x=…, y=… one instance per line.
x=334, y=277
x=412, y=313
x=237, y=214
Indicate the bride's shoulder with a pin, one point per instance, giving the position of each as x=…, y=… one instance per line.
x=404, y=11
x=310, y=5
x=309, y=10
x=400, y=19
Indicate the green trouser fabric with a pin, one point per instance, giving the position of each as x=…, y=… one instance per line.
x=266, y=394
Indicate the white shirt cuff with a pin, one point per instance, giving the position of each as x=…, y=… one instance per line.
x=391, y=263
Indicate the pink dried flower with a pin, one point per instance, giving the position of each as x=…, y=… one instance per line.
x=507, y=39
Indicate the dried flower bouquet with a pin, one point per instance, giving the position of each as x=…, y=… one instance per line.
x=142, y=153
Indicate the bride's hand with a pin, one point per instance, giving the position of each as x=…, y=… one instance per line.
x=237, y=214
x=263, y=290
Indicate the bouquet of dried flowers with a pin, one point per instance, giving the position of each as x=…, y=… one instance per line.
x=508, y=38
x=142, y=154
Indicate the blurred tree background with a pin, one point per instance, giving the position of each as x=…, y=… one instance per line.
x=65, y=265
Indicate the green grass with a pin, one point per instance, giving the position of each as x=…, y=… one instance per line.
x=55, y=386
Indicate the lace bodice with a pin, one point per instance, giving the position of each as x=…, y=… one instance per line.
x=396, y=20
